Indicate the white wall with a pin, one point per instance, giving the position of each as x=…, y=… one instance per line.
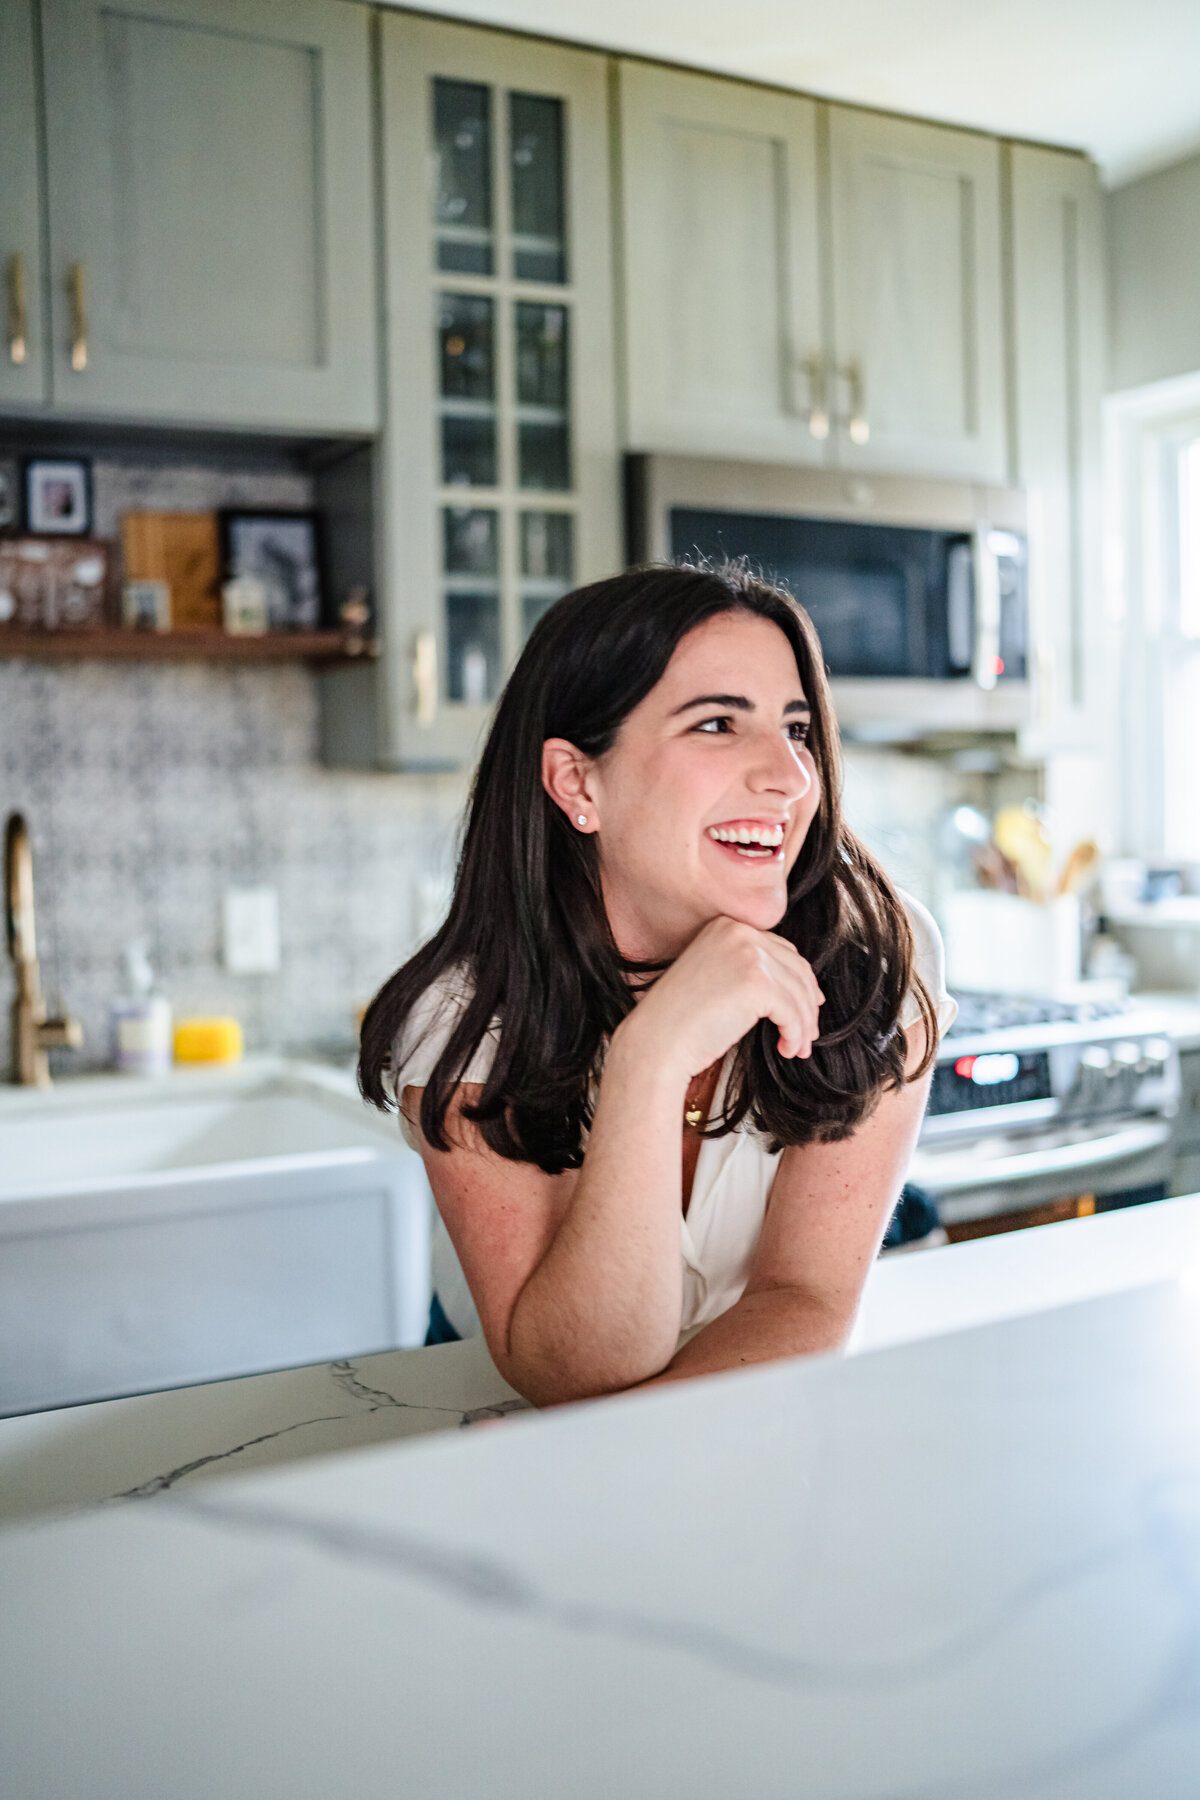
x=1154, y=276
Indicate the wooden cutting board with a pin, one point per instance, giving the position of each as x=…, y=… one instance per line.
x=182, y=549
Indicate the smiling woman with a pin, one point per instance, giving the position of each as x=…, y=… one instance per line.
x=667, y=1058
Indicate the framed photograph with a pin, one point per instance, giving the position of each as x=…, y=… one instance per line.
x=282, y=551
x=58, y=496
x=146, y=605
x=10, y=495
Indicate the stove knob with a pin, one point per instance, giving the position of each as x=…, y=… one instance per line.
x=1126, y=1055
x=1095, y=1066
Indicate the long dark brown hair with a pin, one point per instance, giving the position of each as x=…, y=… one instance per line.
x=528, y=938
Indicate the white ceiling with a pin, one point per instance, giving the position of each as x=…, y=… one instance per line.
x=1117, y=78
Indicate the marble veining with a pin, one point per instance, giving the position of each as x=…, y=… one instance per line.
x=1171, y=1546
x=75, y=1460
x=345, y=1377
x=967, y=1569
x=1164, y=1540
x=161, y=1484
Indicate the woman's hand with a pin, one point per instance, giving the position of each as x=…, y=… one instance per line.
x=730, y=976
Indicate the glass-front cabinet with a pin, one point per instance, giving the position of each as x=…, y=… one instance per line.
x=499, y=472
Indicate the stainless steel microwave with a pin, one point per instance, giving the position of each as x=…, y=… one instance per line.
x=918, y=589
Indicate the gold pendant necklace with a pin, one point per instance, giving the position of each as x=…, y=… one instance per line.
x=695, y=1111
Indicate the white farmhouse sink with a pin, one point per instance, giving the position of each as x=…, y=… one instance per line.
x=215, y=1223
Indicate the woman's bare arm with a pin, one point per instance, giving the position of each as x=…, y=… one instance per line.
x=578, y=1278
x=828, y=1210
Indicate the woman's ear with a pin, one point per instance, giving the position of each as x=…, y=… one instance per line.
x=565, y=776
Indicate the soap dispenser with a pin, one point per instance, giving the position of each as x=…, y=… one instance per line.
x=141, y=1020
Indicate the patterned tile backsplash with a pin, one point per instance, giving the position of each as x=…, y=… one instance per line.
x=149, y=792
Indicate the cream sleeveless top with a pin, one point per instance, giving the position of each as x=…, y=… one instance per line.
x=733, y=1173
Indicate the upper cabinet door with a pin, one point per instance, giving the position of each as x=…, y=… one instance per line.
x=1058, y=336
x=499, y=457
x=721, y=279
x=22, y=350
x=210, y=189
x=917, y=297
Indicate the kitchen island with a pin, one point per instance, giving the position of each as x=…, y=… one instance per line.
x=965, y=1566
x=150, y=1444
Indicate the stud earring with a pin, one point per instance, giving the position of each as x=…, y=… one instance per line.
x=581, y=818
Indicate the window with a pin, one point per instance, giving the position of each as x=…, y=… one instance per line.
x=1180, y=660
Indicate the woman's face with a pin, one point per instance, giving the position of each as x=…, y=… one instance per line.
x=702, y=804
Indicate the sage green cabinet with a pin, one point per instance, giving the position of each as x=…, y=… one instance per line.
x=497, y=473
x=1057, y=300
x=918, y=350
x=721, y=260
x=23, y=375
x=210, y=205
x=808, y=282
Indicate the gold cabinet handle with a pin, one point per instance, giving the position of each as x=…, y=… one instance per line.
x=857, y=424
x=818, y=400
x=425, y=676
x=18, y=324
x=79, y=329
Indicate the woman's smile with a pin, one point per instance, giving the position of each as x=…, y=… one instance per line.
x=702, y=804
x=750, y=840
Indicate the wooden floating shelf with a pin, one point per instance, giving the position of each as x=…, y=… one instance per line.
x=181, y=646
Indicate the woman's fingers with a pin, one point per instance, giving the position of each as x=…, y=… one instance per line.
x=728, y=976
x=797, y=997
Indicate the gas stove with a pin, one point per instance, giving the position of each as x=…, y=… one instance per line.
x=1034, y=1099
x=978, y=1013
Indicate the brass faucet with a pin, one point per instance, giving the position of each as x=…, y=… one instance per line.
x=33, y=1033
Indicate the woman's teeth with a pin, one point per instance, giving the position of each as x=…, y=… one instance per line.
x=749, y=840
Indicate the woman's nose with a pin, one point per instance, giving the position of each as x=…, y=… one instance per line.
x=780, y=767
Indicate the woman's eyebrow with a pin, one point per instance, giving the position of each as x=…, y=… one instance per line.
x=739, y=702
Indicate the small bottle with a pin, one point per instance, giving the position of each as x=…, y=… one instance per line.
x=141, y=1021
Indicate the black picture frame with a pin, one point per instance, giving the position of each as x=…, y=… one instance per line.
x=11, y=496
x=58, y=496
x=284, y=549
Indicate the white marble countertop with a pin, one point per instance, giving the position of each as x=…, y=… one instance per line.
x=79, y=1457
x=959, y=1569
x=150, y=1444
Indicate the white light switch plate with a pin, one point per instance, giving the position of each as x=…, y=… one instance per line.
x=251, y=930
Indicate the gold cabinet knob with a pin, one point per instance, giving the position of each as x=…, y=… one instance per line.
x=79, y=327
x=18, y=323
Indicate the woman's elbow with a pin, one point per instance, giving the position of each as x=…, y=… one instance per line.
x=557, y=1380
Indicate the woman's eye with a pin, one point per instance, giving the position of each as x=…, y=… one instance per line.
x=713, y=726
x=798, y=732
